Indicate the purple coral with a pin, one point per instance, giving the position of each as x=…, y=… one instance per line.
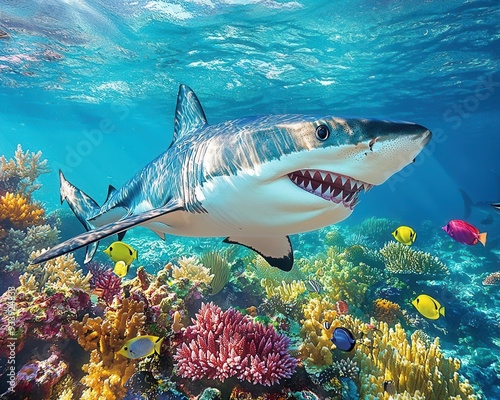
x=224, y=344
x=104, y=281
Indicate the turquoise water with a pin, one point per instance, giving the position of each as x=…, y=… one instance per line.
x=93, y=85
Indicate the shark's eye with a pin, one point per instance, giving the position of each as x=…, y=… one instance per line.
x=322, y=132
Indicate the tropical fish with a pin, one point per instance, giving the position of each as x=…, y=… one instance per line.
x=405, y=235
x=141, y=346
x=120, y=251
x=121, y=269
x=327, y=325
x=428, y=307
x=343, y=339
x=464, y=233
x=389, y=387
x=252, y=180
x=314, y=286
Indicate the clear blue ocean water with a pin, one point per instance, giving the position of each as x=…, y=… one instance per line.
x=93, y=85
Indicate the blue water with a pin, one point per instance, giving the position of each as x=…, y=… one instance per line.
x=93, y=85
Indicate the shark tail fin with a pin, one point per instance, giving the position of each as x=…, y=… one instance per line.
x=482, y=238
x=467, y=203
x=83, y=206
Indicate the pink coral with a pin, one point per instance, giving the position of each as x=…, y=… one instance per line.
x=224, y=344
x=104, y=281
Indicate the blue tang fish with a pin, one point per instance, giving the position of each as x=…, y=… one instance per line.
x=343, y=339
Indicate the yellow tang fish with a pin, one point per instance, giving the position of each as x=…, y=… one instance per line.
x=141, y=346
x=120, y=251
x=121, y=269
x=428, y=307
x=405, y=235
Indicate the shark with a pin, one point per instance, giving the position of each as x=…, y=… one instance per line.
x=252, y=181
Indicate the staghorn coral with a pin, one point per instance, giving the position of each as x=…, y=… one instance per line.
x=17, y=212
x=288, y=292
x=107, y=372
x=19, y=174
x=224, y=344
x=189, y=268
x=401, y=259
x=492, y=279
x=387, y=311
x=418, y=370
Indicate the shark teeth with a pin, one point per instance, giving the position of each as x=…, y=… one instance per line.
x=330, y=186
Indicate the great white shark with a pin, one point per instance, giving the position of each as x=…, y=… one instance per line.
x=252, y=181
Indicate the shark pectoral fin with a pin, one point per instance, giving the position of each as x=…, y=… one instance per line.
x=91, y=249
x=276, y=250
x=87, y=238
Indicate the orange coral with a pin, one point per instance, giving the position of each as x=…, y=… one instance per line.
x=387, y=311
x=18, y=213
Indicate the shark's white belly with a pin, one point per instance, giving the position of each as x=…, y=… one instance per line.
x=239, y=207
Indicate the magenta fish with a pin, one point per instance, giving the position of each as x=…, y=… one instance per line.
x=464, y=233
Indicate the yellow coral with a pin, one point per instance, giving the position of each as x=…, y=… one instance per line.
x=107, y=371
x=387, y=311
x=288, y=292
x=61, y=273
x=417, y=369
x=189, y=268
x=316, y=343
x=17, y=212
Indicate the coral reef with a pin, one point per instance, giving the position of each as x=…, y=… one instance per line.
x=16, y=212
x=288, y=292
x=107, y=371
x=189, y=268
x=417, y=369
x=334, y=238
x=387, y=311
x=219, y=267
x=401, y=259
x=36, y=379
x=18, y=174
x=492, y=279
x=317, y=342
x=224, y=344
x=104, y=282
x=258, y=269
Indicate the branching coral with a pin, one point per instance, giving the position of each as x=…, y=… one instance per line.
x=288, y=292
x=18, y=213
x=224, y=344
x=18, y=174
x=58, y=274
x=417, y=369
x=189, y=268
x=107, y=371
x=401, y=259
x=316, y=343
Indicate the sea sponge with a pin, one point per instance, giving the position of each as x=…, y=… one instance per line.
x=288, y=292
x=417, y=369
x=17, y=212
x=402, y=259
x=107, y=371
x=387, y=311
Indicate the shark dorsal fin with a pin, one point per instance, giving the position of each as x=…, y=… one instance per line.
x=189, y=114
x=111, y=191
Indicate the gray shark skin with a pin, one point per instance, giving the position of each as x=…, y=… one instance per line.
x=253, y=180
x=488, y=210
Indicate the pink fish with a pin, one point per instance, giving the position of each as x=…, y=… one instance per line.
x=464, y=233
x=342, y=307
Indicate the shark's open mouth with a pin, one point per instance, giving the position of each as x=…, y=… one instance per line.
x=330, y=186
